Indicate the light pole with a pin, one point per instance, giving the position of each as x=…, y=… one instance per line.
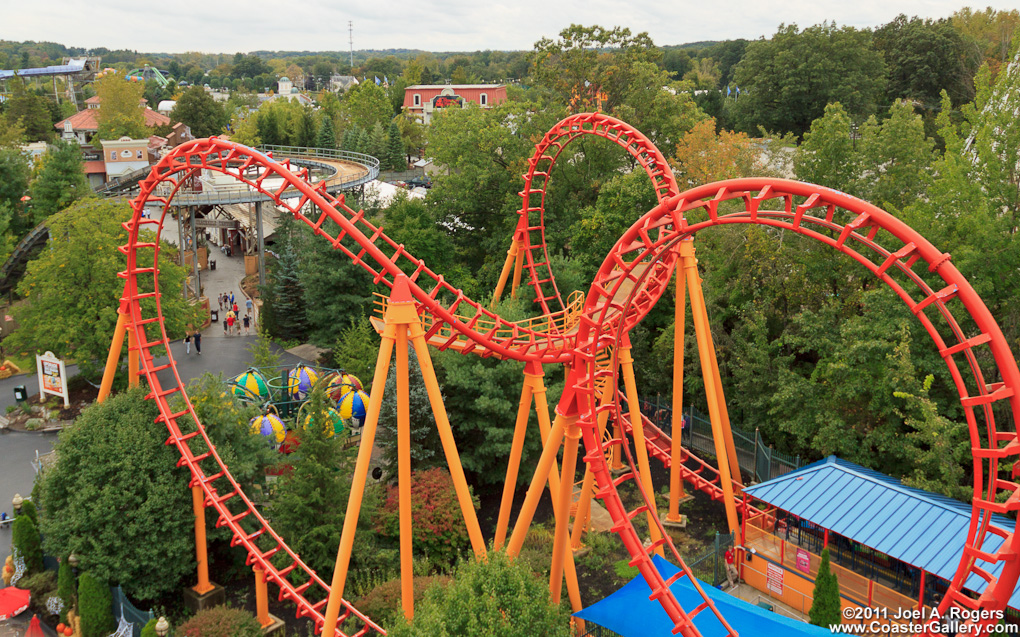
x=162, y=627
x=16, y=504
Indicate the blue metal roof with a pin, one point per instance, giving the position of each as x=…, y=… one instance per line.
x=76, y=66
x=923, y=529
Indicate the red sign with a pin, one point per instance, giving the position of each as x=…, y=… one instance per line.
x=444, y=101
x=774, y=578
x=803, y=561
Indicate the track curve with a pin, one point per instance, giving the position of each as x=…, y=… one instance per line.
x=630, y=281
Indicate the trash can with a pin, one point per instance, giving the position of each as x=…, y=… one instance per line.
x=212, y=264
x=214, y=316
x=20, y=393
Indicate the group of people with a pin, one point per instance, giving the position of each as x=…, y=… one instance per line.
x=232, y=319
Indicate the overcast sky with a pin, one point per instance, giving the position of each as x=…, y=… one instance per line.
x=228, y=26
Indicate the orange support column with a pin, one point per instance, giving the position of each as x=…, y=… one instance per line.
x=701, y=331
x=343, y=556
x=583, y=514
x=531, y=371
x=404, y=476
x=198, y=503
x=561, y=539
x=132, y=359
x=508, y=265
x=113, y=358
x=261, y=597
x=637, y=425
x=676, y=484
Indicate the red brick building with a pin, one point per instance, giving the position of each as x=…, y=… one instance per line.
x=424, y=99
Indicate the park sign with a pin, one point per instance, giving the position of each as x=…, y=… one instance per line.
x=52, y=377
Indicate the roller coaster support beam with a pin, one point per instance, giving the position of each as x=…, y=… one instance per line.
x=402, y=324
x=198, y=502
x=705, y=353
x=583, y=515
x=113, y=358
x=637, y=426
x=676, y=483
x=132, y=358
x=508, y=265
x=561, y=541
x=261, y=597
x=532, y=379
x=552, y=438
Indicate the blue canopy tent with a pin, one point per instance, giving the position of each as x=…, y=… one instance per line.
x=630, y=613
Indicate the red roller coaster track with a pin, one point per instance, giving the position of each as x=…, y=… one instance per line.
x=630, y=281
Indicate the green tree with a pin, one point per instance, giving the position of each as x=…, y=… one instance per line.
x=826, y=605
x=121, y=111
x=827, y=156
x=897, y=156
x=924, y=57
x=198, y=110
x=942, y=446
x=95, y=603
x=395, y=149
x=357, y=349
x=59, y=183
x=122, y=518
x=787, y=81
x=366, y=105
x=65, y=588
x=12, y=133
x=268, y=128
x=305, y=135
x=220, y=621
x=377, y=142
x=412, y=131
x=72, y=287
x=497, y=597
x=28, y=510
x=14, y=173
x=25, y=538
x=327, y=134
x=426, y=448
x=30, y=112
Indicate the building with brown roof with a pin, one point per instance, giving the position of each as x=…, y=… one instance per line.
x=84, y=124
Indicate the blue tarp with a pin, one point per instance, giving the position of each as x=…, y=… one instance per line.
x=630, y=613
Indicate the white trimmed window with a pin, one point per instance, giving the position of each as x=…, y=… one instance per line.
x=483, y=99
x=417, y=99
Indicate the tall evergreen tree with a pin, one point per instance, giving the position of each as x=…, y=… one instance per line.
x=268, y=126
x=25, y=537
x=305, y=136
x=395, y=149
x=825, y=608
x=288, y=296
x=377, y=143
x=363, y=142
x=60, y=182
x=327, y=134
x=350, y=140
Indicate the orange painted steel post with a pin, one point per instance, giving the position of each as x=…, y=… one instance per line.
x=428, y=372
x=113, y=358
x=198, y=503
x=701, y=331
x=343, y=555
x=516, y=450
x=583, y=514
x=645, y=471
x=261, y=597
x=676, y=483
x=518, y=268
x=711, y=374
x=561, y=540
x=550, y=447
x=508, y=265
x=132, y=358
x=404, y=475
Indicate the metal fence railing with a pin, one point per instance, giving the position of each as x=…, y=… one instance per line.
x=758, y=461
x=122, y=607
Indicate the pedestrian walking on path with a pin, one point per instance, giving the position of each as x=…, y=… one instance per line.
x=231, y=319
x=187, y=341
x=249, y=305
x=247, y=324
x=231, y=297
x=198, y=341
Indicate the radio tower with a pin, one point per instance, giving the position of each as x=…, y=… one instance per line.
x=350, y=34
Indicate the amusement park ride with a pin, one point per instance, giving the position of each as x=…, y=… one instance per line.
x=589, y=337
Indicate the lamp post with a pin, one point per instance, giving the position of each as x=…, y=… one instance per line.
x=16, y=503
x=162, y=627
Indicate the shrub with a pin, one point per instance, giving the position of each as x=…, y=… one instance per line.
x=825, y=608
x=95, y=603
x=221, y=622
x=149, y=630
x=28, y=509
x=65, y=587
x=25, y=536
x=437, y=524
x=382, y=603
x=40, y=584
x=496, y=598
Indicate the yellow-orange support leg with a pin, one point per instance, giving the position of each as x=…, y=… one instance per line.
x=198, y=503
x=550, y=447
x=132, y=358
x=428, y=373
x=113, y=358
x=676, y=484
x=518, y=268
x=583, y=514
x=404, y=476
x=645, y=471
x=701, y=331
x=508, y=265
x=261, y=597
x=561, y=540
x=516, y=450
x=343, y=556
